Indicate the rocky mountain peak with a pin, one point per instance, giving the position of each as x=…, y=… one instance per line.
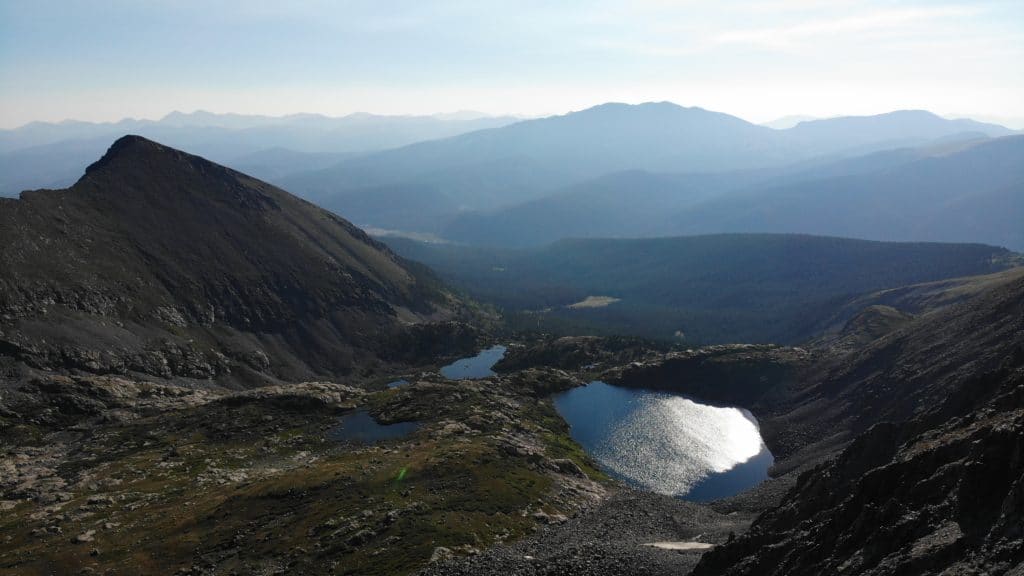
x=182, y=248
x=132, y=148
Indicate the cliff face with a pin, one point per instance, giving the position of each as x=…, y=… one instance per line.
x=933, y=481
x=162, y=263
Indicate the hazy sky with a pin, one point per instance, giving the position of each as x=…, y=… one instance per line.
x=104, y=60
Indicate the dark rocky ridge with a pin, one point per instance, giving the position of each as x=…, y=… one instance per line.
x=162, y=263
x=933, y=482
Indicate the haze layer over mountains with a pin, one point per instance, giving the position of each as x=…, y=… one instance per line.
x=611, y=171
x=43, y=154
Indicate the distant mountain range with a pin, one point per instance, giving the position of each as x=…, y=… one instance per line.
x=497, y=168
x=162, y=263
x=50, y=155
x=786, y=122
x=614, y=170
x=954, y=192
x=312, y=133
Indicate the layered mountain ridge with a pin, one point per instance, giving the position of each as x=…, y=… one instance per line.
x=954, y=192
x=500, y=167
x=43, y=154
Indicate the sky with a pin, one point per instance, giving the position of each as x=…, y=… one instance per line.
x=103, y=60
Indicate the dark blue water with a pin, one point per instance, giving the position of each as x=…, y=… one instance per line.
x=478, y=366
x=359, y=427
x=667, y=443
x=398, y=383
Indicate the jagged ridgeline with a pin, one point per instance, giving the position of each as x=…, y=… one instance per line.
x=160, y=262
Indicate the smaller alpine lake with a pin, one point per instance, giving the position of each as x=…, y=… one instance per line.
x=358, y=427
x=667, y=443
x=478, y=366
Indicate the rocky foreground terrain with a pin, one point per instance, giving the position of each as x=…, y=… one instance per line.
x=119, y=476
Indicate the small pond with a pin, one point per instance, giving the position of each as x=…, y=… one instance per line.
x=478, y=366
x=667, y=443
x=358, y=427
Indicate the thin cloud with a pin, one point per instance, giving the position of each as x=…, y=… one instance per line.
x=783, y=37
